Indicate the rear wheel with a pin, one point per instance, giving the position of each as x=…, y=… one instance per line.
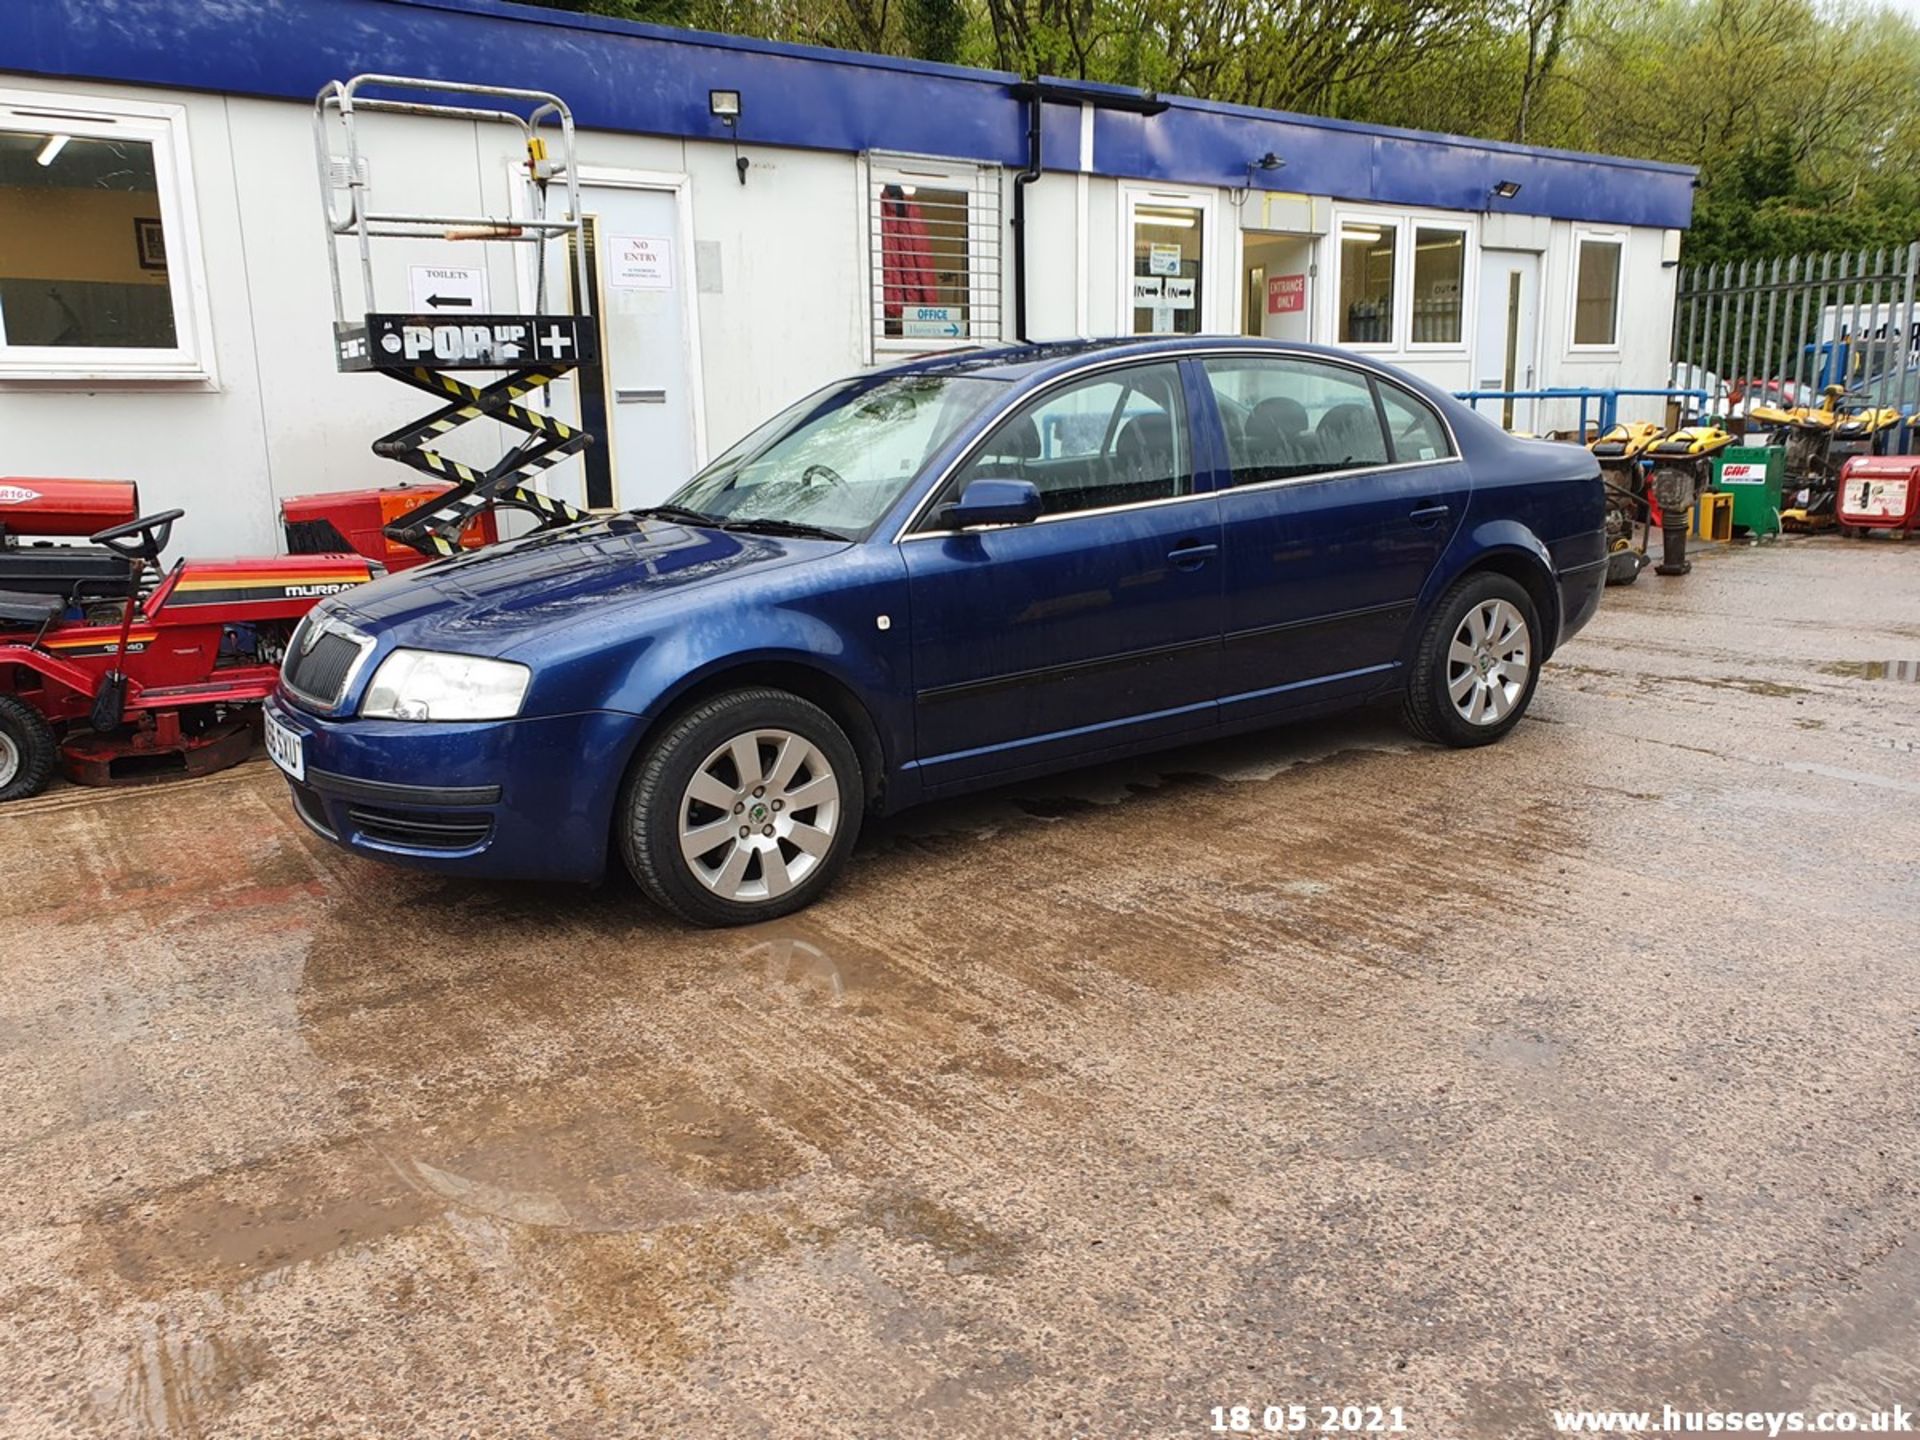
x=28, y=751
x=744, y=809
x=1477, y=663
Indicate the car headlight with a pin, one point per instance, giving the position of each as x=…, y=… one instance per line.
x=426, y=685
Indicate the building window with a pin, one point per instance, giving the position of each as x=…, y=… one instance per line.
x=934, y=230
x=1439, y=281
x=1169, y=256
x=98, y=255
x=1368, y=255
x=1596, y=291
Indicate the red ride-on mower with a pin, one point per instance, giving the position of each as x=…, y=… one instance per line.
x=356, y=521
x=118, y=677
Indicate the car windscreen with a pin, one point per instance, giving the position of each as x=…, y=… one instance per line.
x=840, y=458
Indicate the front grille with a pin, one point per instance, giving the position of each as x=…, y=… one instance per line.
x=321, y=673
x=420, y=832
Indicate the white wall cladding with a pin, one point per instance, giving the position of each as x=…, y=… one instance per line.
x=782, y=303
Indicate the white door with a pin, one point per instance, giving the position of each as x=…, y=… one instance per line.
x=1167, y=273
x=646, y=306
x=1507, y=348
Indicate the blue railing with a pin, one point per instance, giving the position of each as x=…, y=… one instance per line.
x=1607, y=400
x=1900, y=440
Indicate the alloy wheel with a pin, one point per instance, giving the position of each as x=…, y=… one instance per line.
x=1489, y=662
x=759, y=815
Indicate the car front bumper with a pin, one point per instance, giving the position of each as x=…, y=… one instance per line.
x=524, y=799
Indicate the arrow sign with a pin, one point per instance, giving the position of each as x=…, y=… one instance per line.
x=447, y=287
x=932, y=321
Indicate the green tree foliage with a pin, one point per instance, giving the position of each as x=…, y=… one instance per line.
x=1803, y=117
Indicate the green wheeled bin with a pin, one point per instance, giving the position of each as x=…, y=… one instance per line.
x=1753, y=475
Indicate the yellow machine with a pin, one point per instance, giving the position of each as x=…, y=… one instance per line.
x=1619, y=452
x=1626, y=442
x=1682, y=471
x=1865, y=424
x=1812, y=469
x=1692, y=442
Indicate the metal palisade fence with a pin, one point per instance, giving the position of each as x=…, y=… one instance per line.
x=1779, y=331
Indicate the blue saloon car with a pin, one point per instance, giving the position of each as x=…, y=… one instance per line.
x=933, y=578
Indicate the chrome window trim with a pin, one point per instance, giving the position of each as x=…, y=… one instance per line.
x=905, y=530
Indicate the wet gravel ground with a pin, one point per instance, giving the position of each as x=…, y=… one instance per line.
x=1317, y=1067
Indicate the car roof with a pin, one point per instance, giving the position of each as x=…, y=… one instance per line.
x=1040, y=359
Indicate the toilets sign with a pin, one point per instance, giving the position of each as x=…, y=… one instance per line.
x=447, y=289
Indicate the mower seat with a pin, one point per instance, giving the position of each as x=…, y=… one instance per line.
x=18, y=608
x=70, y=572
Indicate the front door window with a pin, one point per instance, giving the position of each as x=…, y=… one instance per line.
x=1117, y=439
x=1169, y=249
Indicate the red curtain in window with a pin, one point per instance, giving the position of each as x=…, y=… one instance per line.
x=906, y=268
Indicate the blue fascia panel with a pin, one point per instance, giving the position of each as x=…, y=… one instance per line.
x=646, y=79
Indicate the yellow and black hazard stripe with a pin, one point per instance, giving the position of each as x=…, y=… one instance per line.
x=434, y=527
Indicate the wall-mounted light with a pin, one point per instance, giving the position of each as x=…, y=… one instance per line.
x=1505, y=189
x=50, y=151
x=1268, y=162
x=724, y=106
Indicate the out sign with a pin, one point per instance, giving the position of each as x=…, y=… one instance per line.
x=1286, y=293
x=640, y=262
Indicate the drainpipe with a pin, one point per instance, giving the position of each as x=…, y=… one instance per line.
x=1020, y=183
x=1035, y=93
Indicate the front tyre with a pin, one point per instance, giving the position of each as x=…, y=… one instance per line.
x=743, y=809
x=1477, y=662
x=28, y=750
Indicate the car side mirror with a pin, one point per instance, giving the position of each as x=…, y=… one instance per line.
x=994, y=502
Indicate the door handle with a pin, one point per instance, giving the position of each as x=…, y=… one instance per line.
x=1427, y=514
x=1192, y=555
x=639, y=396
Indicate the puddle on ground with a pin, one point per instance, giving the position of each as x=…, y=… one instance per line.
x=1908, y=670
x=179, y=1374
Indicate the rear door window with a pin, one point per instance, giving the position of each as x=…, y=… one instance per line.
x=1287, y=417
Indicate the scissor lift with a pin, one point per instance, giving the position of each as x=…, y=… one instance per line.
x=533, y=349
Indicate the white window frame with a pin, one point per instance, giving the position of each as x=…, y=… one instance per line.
x=1618, y=239
x=164, y=127
x=1407, y=225
x=986, y=254
x=1132, y=197
x=1402, y=279
x=1468, y=256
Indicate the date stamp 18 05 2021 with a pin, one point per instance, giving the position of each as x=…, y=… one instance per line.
x=1299, y=1419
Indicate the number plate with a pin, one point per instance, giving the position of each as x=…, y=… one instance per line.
x=286, y=748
